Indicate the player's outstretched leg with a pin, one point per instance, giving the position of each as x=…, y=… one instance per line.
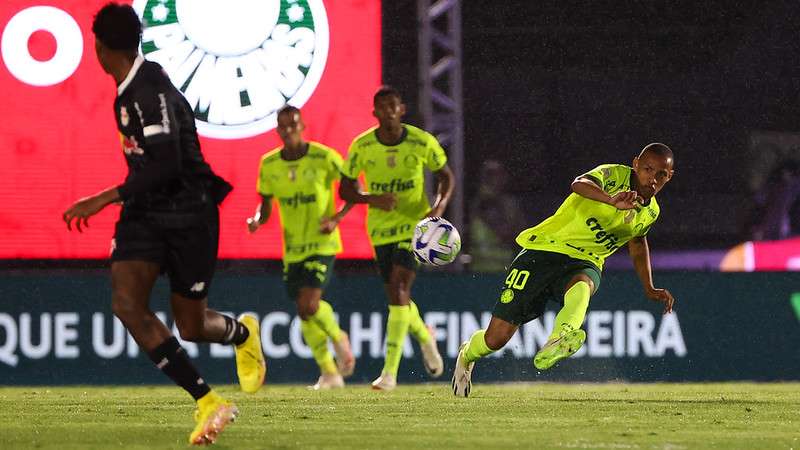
x=251, y=367
x=567, y=337
x=426, y=337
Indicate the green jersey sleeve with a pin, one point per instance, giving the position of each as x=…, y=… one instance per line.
x=352, y=167
x=610, y=177
x=336, y=165
x=263, y=184
x=436, y=155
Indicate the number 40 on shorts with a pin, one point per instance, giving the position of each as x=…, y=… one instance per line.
x=516, y=279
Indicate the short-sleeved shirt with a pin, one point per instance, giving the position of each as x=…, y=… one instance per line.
x=590, y=230
x=303, y=189
x=399, y=169
x=150, y=112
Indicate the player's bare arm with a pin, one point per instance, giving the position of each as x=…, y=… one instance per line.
x=640, y=255
x=445, y=183
x=328, y=224
x=586, y=187
x=89, y=206
x=350, y=192
x=261, y=215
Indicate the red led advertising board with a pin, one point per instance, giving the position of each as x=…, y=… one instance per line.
x=237, y=62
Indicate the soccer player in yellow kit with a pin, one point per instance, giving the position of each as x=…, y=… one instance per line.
x=393, y=157
x=562, y=258
x=300, y=176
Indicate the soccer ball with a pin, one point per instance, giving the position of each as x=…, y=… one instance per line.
x=436, y=241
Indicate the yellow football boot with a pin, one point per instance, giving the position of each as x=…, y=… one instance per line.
x=250, y=364
x=212, y=415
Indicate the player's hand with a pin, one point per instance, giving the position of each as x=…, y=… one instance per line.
x=626, y=200
x=386, y=201
x=81, y=210
x=252, y=224
x=327, y=225
x=662, y=296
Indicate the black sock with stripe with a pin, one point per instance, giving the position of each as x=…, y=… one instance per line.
x=235, y=332
x=172, y=359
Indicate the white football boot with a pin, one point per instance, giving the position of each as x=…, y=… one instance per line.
x=431, y=357
x=328, y=381
x=385, y=382
x=462, y=374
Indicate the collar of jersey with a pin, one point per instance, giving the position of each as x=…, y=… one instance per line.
x=131, y=73
x=308, y=148
x=403, y=137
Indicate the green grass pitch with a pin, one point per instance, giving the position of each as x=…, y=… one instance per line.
x=585, y=416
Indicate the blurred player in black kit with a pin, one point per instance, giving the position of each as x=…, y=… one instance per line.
x=169, y=222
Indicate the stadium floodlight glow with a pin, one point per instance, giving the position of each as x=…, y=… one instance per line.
x=17, y=57
x=237, y=62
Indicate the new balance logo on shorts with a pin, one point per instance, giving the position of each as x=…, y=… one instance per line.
x=198, y=287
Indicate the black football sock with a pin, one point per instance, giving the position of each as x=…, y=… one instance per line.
x=171, y=358
x=235, y=332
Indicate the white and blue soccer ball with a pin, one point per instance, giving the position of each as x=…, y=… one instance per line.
x=436, y=241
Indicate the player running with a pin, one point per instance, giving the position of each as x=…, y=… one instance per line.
x=300, y=176
x=562, y=258
x=393, y=157
x=169, y=222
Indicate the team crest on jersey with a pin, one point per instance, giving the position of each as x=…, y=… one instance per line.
x=410, y=161
x=124, y=118
x=309, y=174
x=130, y=146
x=237, y=62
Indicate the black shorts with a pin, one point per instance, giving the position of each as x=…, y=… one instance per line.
x=396, y=253
x=312, y=272
x=184, y=246
x=534, y=278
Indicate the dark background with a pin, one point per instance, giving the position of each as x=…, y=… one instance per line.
x=553, y=89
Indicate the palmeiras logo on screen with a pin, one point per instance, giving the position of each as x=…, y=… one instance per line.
x=237, y=62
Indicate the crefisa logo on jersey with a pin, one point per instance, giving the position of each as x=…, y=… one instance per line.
x=237, y=62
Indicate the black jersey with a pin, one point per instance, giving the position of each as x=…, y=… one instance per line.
x=167, y=173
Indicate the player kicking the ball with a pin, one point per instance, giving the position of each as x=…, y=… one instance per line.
x=300, y=176
x=169, y=223
x=562, y=258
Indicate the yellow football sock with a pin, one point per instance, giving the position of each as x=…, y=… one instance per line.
x=416, y=326
x=576, y=300
x=477, y=347
x=326, y=321
x=317, y=340
x=396, y=331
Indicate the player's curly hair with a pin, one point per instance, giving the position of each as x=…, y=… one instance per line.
x=386, y=91
x=288, y=109
x=118, y=27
